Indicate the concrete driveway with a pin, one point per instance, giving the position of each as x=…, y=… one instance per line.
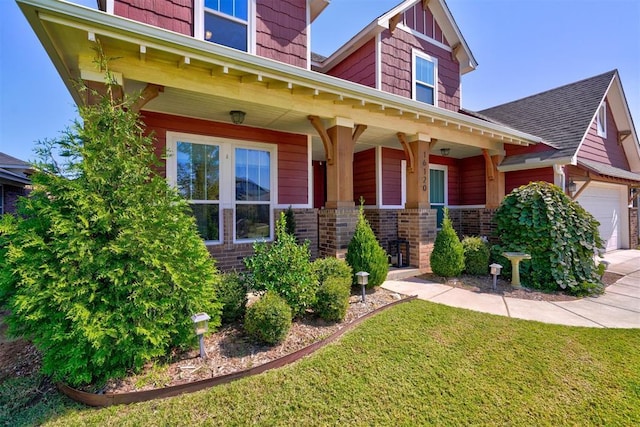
x=618, y=307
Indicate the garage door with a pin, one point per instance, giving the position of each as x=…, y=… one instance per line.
x=608, y=204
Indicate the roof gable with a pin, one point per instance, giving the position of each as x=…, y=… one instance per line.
x=560, y=116
x=390, y=19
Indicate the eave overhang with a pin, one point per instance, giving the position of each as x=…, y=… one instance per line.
x=150, y=54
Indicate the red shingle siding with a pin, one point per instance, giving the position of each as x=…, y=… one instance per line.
x=392, y=176
x=281, y=31
x=473, y=189
x=517, y=178
x=364, y=176
x=292, y=149
x=359, y=67
x=174, y=15
x=604, y=150
x=396, y=59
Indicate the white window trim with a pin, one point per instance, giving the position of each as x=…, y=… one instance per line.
x=419, y=54
x=601, y=120
x=424, y=37
x=198, y=23
x=227, y=175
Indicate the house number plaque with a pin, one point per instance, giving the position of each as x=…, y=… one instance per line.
x=425, y=165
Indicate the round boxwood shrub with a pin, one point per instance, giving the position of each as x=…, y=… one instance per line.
x=332, y=299
x=364, y=253
x=268, y=319
x=331, y=267
x=561, y=237
x=232, y=293
x=476, y=256
x=447, y=258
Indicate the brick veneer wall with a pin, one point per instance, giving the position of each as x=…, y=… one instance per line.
x=474, y=222
x=306, y=227
x=336, y=228
x=633, y=228
x=11, y=195
x=418, y=227
x=384, y=223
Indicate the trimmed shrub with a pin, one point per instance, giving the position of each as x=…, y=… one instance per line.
x=290, y=218
x=232, y=293
x=447, y=258
x=332, y=299
x=331, y=267
x=268, y=319
x=364, y=253
x=476, y=256
x=284, y=267
x=561, y=237
x=104, y=266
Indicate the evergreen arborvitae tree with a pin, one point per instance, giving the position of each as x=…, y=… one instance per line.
x=364, y=253
x=290, y=218
x=103, y=266
x=447, y=258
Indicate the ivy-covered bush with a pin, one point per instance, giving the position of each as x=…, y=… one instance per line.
x=103, y=266
x=447, y=258
x=561, y=237
x=284, y=267
x=231, y=291
x=476, y=255
x=268, y=319
x=364, y=253
x=332, y=299
x=331, y=267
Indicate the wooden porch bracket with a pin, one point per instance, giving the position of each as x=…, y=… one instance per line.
x=584, y=187
x=489, y=165
x=324, y=136
x=622, y=135
x=425, y=3
x=394, y=21
x=407, y=152
x=357, y=132
x=150, y=92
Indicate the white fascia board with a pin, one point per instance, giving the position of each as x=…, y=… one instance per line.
x=135, y=32
x=538, y=164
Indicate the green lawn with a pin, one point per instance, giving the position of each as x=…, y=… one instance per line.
x=422, y=363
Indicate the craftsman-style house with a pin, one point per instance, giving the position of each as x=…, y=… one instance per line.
x=253, y=122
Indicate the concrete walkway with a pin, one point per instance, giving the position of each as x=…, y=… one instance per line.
x=618, y=307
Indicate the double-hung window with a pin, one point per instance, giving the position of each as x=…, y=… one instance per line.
x=214, y=174
x=425, y=76
x=226, y=22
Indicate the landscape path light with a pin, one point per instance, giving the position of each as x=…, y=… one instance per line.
x=201, y=325
x=363, y=279
x=495, y=272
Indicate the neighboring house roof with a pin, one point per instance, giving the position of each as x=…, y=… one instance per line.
x=14, y=171
x=559, y=116
x=442, y=15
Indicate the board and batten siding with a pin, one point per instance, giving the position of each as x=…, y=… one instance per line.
x=364, y=177
x=605, y=150
x=359, y=67
x=421, y=20
x=293, y=176
x=281, y=31
x=173, y=15
x=515, y=179
x=396, y=72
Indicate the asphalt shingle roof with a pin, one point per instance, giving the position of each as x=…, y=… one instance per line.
x=559, y=116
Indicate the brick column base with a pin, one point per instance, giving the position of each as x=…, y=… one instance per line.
x=418, y=227
x=336, y=228
x=633, y=228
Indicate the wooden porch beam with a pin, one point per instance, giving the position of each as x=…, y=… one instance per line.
x=150, y=92
x=622, y=135
x=407, y=151
x=324, y=136
x=489, y=165
x=357, y=132
x=584, y=187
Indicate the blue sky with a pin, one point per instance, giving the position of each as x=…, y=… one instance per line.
x=522, y=47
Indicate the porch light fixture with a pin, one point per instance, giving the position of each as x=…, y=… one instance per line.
x=445, y=151
x=237, y=116
x=363, y=279
x=495, y=272
x=201, y=325
x=572, y=187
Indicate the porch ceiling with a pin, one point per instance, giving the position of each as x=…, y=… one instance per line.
x=206, y=81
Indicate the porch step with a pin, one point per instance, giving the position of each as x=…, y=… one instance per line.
x=402, y=273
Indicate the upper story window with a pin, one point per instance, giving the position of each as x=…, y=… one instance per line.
x=601, y=120
x=425, y=76
x=226, y=22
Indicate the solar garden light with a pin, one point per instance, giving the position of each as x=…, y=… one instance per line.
x=495, y=271
x=201, y=324
x=363, y=279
